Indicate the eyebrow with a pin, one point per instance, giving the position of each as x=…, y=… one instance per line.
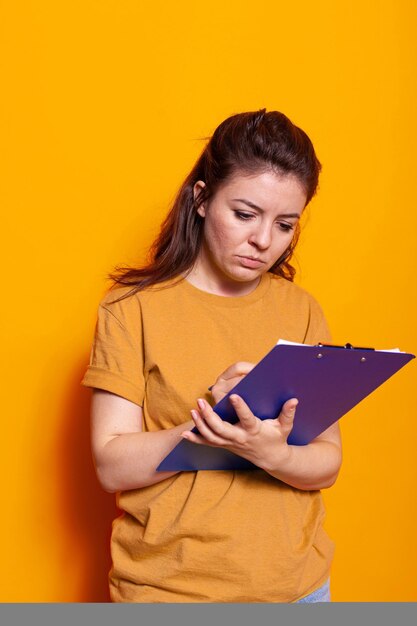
x=258, y=208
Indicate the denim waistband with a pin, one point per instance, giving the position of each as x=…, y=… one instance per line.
x=322, y=594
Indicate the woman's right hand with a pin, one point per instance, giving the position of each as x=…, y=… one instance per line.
x=229, y=378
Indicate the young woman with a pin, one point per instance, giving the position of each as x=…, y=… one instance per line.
x=217, y=294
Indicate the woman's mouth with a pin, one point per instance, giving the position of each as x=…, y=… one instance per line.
x=251, y=262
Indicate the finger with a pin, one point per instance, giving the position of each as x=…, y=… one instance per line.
x=193, y=437
x=246, y=418
x=214, y=422
x=241, y=368
x=286, y=417
x=205, y=430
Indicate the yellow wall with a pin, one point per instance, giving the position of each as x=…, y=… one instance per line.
x=104, y=105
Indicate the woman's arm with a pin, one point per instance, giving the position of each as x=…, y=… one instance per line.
x=124, y=456
x=264, y=443
x=314, y=466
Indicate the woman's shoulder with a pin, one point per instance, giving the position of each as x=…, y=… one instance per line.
x=292, y=291
x=117, y=295
x=299, y=305
x=130, y=298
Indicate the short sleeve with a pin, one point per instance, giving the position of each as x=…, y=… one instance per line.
x=318, y=329
x=116, y=358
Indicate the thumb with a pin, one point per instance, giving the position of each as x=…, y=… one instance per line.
x=286, y=417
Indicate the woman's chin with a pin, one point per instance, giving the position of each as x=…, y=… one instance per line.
x=247, y=274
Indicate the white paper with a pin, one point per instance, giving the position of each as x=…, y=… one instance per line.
x=284, y=342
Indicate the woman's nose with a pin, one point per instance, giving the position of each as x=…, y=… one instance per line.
x=261, y=236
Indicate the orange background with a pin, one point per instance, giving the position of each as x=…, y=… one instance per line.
x=104, y=107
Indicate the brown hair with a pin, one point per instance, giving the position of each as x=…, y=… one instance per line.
x=249, y=143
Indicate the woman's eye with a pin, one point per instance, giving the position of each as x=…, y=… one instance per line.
x=241, y=215
x=285, y=227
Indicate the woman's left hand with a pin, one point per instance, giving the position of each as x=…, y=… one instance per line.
x=263, y=442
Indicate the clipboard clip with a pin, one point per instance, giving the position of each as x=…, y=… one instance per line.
x=347, y=346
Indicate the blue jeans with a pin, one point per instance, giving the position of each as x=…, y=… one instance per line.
x=322, y=594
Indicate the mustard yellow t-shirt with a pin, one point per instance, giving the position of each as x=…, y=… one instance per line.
x=206, y=536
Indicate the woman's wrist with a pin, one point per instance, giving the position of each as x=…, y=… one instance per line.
x=279, y=460
x=310, y=467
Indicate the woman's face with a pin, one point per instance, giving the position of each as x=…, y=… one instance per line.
x=248, y=224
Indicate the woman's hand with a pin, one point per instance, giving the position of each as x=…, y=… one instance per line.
x=229, y=378
x=263, y=442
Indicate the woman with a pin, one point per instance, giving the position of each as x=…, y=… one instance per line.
x=216, y=295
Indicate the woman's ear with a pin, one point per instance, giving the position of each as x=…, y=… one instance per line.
x=197, y=189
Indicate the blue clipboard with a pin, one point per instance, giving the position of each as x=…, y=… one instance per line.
x=327, y=380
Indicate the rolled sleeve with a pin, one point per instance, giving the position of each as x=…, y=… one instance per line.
x=116, y=358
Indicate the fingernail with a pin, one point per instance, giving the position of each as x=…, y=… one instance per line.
x=194, y=414
x=234, y=399
x=184, y=435
x=200, y=403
